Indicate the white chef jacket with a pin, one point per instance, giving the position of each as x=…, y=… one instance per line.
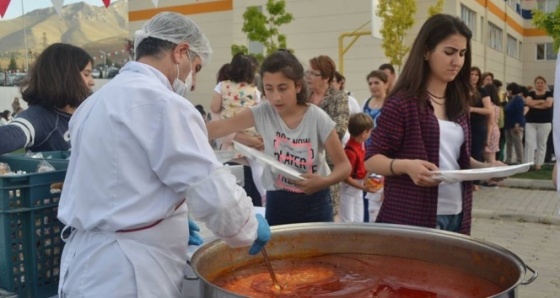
x=138, y=149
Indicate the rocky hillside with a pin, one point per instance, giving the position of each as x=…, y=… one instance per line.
x=92, y=27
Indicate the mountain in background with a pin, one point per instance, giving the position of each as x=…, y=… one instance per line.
x=93, y=28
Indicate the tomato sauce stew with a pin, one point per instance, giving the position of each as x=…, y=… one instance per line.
x=355, y=275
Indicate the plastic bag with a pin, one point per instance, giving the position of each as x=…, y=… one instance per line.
x=31, y=154
x=44, y=167
x=4, y=168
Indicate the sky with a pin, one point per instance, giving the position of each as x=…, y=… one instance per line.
x=14, y=9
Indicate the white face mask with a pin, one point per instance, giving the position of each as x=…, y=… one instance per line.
x=188, y=82
x=180, y=87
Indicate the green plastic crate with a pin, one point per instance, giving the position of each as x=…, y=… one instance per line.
x=30, y=244
x=47, y=155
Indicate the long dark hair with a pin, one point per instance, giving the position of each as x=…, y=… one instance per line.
x=286, y=63
x=223, y=73
x=241, y=69
x=513, y=88
x=477, y=69
x=492, y=91
x=416, y=70
x=55, y=79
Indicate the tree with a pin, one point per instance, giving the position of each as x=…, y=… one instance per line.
x=549, y=22
x=13, y=64
x=397, y=17
x=263, y=27
x=437, y=8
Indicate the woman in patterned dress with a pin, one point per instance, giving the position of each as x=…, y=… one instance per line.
x=493, y=140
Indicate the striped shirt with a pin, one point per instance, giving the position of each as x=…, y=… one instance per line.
x=36, y=129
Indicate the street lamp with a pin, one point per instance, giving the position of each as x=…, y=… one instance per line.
x=105, y=63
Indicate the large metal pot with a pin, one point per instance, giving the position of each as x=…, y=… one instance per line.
x=486, y=260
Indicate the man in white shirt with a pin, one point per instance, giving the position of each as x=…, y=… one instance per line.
x=389, y=70
x=140, y=151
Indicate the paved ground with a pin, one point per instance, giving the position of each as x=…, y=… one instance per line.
x=525, y=222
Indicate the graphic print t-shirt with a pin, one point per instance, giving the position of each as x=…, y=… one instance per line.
x=43, y=129
x=301, y=148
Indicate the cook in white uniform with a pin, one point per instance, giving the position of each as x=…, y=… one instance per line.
x=140, y=151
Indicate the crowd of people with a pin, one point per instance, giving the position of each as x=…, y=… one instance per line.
x=496, y=124
x=6, y=116
x=131, y=181
x=513, y=126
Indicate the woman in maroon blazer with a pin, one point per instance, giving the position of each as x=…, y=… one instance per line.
x=424, y=127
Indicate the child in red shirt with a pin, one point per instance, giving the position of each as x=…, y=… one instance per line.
x=351, y=208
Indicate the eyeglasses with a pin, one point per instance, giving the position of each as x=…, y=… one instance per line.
x=312, y=73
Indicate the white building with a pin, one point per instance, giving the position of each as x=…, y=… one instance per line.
x=504, y=42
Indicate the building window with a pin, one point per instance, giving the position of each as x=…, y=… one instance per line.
x=481, y=29
x=511, y=46
x=256, y=47
x=547, y=5
x=514, y=4
x=469, y=17
x=495, y=37
x=520, y=50
x=545, y=51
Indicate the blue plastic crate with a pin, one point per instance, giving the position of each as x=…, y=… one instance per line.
x=30, y=244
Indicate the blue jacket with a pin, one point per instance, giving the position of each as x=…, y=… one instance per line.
x=514, y=112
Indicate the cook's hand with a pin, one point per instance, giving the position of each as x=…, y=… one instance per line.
x=263, y=235
x=420, y=171
x=194, y=238
x=311, y=184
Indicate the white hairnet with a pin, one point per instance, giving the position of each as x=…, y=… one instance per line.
x=175, y=28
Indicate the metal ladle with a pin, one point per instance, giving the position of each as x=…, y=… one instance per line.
x=272, y=275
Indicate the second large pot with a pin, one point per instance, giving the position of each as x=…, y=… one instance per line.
x=486, y=260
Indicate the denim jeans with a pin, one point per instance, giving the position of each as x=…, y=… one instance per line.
x=284, y=207
x=450, y=223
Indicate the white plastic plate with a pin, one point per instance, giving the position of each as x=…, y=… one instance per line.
x=265, y=160
x=482, y=174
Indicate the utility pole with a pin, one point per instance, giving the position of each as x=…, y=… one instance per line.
x=44, y=41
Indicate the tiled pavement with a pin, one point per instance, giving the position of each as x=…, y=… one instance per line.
x=526, y=222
